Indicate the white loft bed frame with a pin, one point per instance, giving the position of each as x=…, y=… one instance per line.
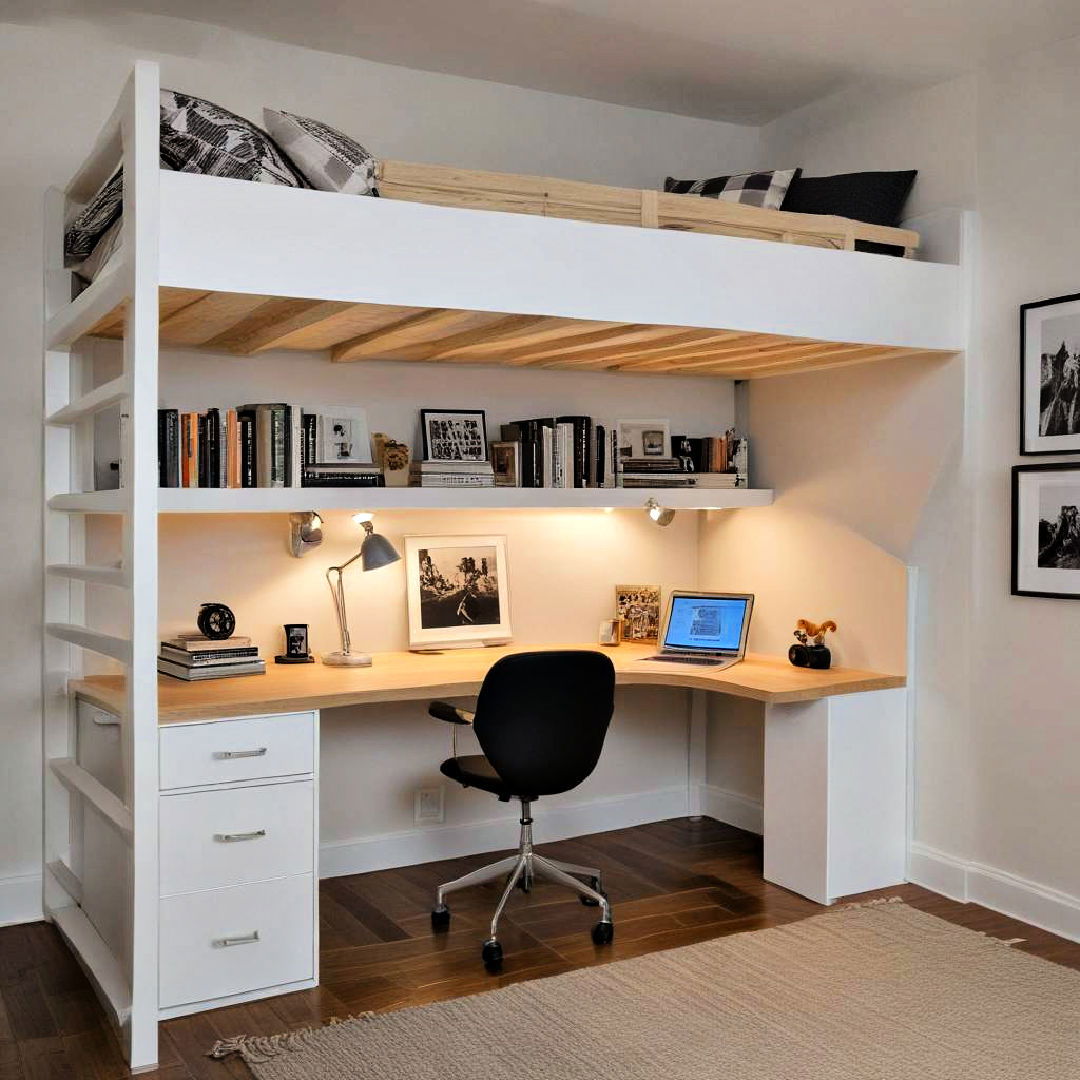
x=214, y=234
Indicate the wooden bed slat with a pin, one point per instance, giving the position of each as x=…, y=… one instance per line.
x=398, y=339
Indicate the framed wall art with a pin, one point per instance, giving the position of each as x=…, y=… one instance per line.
x=1046, y=530
x=1050, y=376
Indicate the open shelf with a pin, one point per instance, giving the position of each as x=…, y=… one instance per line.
x=287, y=500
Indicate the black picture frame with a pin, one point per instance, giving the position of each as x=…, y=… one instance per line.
x=428, y=415
x=1028, y=448
x=1019, y=471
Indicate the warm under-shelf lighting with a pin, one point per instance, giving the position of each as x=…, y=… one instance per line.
x=662, y=515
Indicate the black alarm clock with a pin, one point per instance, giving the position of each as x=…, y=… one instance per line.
x=216, y=621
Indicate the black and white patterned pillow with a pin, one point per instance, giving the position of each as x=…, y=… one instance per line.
x=764, y=189
x=328, y=159
x=196, y=136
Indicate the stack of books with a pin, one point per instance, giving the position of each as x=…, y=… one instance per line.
x=451, y=474
x=193, y=657
x=654, y=472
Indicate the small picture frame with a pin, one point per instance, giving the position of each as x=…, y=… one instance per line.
x=454, y=434
x=506, y=462
x=1046, y=530
x=644, y=438
x=1050, y=376
x=638, y=609
x=610, y=632
x=342, y=435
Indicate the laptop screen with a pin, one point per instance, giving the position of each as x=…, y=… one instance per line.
x=712, y=623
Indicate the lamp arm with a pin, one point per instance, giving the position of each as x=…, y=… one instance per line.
x=337, y=591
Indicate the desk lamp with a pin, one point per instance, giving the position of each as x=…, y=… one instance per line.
x=374, y=552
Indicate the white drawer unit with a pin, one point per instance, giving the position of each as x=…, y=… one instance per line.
x=227, y=751
x=232, y=836
x=227, y=942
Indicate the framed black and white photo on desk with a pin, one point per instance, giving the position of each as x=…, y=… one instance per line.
x=1046, y=531
x=454, y=434
x=458, y=590
x=1050, y=376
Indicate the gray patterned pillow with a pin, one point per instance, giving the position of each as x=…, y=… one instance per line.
x=330, y=160
x=196, y=136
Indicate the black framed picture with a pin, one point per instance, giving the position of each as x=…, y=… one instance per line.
x=454, y=434
x=1046, y=530
x=1050, y=376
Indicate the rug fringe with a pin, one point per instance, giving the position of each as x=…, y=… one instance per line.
x=881, y=900
x=257, y=1049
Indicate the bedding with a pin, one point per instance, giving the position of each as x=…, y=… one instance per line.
x=874, y=197
x=764, y=189
x=329, y=160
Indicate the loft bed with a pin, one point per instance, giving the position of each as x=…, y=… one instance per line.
x=243, y=267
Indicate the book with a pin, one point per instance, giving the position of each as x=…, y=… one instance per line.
x=582, y=448
x=168, y=448
x=222, y=671
x=189, y=449
x=206, y=658
x=245, y=420
x=194, y=641
x=232, y=444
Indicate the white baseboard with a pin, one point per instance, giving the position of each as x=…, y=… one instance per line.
x=972, y=882
x=20, y=899
x=738, y=810
x=430, y=843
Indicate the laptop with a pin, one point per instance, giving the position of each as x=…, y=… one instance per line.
x=706, y=629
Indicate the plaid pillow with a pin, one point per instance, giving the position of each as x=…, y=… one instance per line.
x=329, y=160
x=764, y=189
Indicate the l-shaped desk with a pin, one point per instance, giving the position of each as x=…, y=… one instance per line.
x=835, y=792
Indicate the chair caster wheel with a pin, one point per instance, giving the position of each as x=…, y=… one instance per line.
x=603, y=933
x=492, y=955
x=440, y=918
x=588, y=901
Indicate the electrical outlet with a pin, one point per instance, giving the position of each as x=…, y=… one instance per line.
x=428, y=805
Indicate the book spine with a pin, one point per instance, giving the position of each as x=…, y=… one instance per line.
x=278, y=433
x=213, y=448
x=310, y=425
x=323, y=480
x=599, y=457
x=168, y=448
x=296, y=446
x=246, y=423
x=263, y=446
x=232, y=443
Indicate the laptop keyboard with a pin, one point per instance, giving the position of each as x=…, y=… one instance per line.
x=697, y=661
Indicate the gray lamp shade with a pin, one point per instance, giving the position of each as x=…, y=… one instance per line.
x=377, y=551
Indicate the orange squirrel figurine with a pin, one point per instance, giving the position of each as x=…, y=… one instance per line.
x=815, y=631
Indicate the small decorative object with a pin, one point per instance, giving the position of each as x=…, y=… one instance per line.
x=1046, y=530
x=296, y=645
x=610, y=632
x=506, y=461
x=644, y=438
x=638, y=607
x=454, y=435
x=215, y=621
x=1050, y=376
x=393, y=458
x=810, y=650
x=458, y=589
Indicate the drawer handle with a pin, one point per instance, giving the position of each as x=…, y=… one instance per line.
x=237, y=837
x=243, y=939
x=228, y=755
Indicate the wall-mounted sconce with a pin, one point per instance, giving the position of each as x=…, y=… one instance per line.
x=662, y=515
x=305, y=533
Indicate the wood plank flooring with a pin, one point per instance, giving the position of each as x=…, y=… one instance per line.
x=673, y=883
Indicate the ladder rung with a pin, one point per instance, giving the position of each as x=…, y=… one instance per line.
x=106, y=644
x=114, y=501
x=95, y=575
x=99, y=398
x=96, y=958
x=79, y=782
x=66, y=879
x=106, y=294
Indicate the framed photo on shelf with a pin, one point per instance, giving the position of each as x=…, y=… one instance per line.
x=458, y=590
x=1046, y=530
x=638, y=607
x=1050, y=376
x=454, y=435
x=644, y=438
x=506, y=462
x=342, y=433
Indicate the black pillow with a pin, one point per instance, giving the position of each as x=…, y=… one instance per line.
x=874, y=197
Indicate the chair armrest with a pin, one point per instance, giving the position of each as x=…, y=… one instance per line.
x=443, y=710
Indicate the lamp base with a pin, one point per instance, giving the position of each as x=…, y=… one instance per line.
x=347, y=659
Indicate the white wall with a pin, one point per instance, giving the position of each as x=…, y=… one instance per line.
x=61, y=81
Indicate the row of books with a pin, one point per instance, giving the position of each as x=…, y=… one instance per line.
x=194, y=658
x=561, y=452
x=260, y=445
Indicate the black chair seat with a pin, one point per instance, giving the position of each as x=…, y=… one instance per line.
x=474, y=770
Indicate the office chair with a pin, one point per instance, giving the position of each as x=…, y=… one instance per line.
x=540, y=719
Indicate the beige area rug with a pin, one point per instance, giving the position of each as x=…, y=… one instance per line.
x=881, y=992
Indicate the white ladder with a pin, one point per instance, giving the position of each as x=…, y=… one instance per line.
x=126, y=981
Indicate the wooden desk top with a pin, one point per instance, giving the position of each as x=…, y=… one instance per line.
x=404, y=676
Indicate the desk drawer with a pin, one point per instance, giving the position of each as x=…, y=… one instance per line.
x=234, y=941
x=224, y=751
x=231, y=836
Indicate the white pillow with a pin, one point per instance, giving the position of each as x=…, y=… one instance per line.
x=329, y=160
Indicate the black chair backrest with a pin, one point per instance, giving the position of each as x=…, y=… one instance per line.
x=541, y=718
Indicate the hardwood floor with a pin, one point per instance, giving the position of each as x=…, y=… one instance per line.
x=673, y=883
